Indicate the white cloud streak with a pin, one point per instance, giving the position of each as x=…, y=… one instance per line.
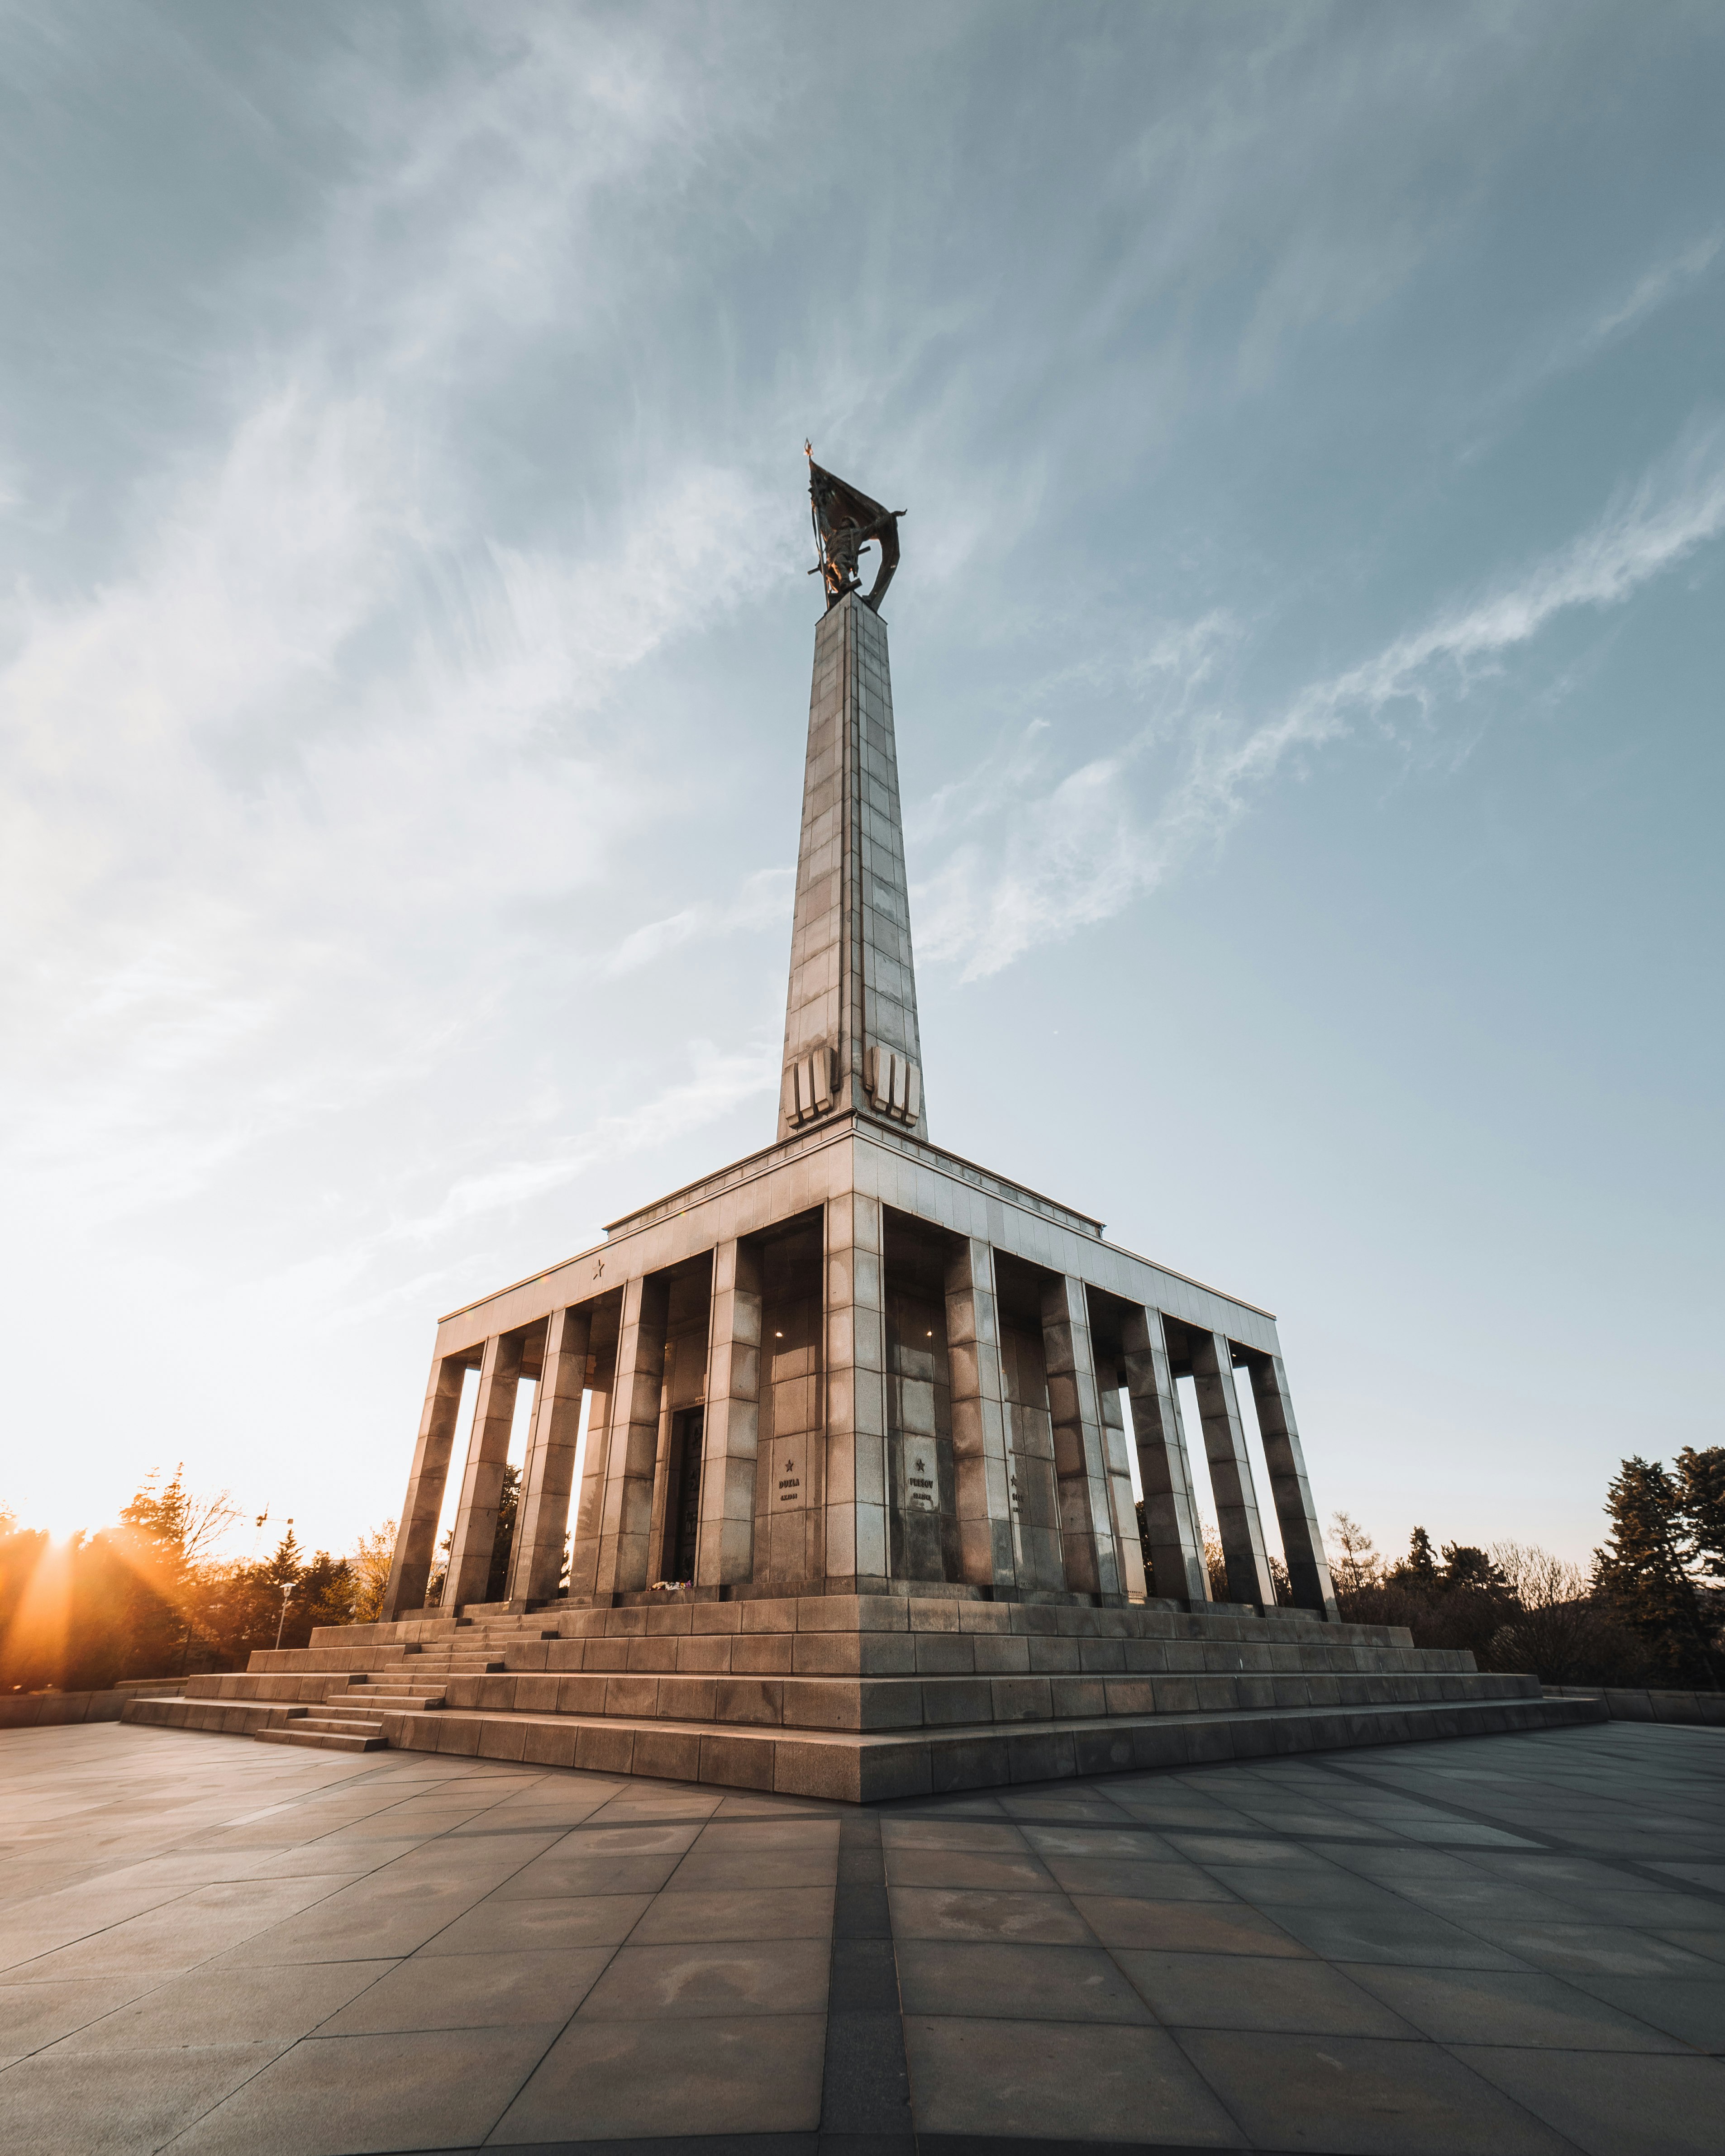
x=716, y=1083
x=194, y=712
x=764, y=901
x=1078, y=849
x=324, y=1286
x=1667, y=281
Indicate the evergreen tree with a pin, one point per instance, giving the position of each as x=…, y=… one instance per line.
x=1640, y=1569
x=283, y=1568
x=1700, y=1486
x=1470, y=1569
x=323, y=1595
x=1419, y=1567
x=503, y=1542
x=151, y=1539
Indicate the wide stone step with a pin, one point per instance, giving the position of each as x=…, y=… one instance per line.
x=861, y=1767
x=425, y=1680
x=886, y=1703
x=862, y=1703
x=914, y=1615
x=221, y=1718
x=878, y=1654
x=324, y=1740
x=267, y=1720
x=486, y=1635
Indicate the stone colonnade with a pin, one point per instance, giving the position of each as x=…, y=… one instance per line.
x=861, y=1398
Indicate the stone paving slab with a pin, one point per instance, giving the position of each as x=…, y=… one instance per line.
x=1496, y=1944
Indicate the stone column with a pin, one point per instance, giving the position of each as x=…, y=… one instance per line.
x=1302, y=1543
x=658, y=1556
x=482, y=1486
x=537, y=1564
x=856, y=1539
x=626, y=1524
x=416, y=1539
x=1080, y=1461
x=1126, y=1541
x=1237, y=1519
x=1170, y=1523
x=981, y=1470
x=590, y=1498
x=731, y=1437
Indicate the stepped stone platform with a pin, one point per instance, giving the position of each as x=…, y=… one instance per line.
x=860, y=1697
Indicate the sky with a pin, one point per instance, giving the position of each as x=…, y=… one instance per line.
x=1306, y=661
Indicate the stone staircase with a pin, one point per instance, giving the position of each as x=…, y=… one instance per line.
x=337, y=1729
x=860, y=1697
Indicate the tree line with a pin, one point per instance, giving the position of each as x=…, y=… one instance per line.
x=151, y=1597
x=1648, y=1610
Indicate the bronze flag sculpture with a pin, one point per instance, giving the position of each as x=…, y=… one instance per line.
x=846, y=521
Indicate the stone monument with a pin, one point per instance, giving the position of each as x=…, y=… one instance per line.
x=854, y=1513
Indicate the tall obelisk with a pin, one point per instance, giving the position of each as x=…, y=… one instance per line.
x=850, y=1035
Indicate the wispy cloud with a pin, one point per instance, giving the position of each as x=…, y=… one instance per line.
x=1666, y=280
x=1073, y=849
x=763, y=902
x=331, y=1286
x=717, y=1082
x=238, y=785
x=1588, y=329
x=278, y=786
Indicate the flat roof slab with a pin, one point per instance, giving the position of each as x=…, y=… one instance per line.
x=831, y=1161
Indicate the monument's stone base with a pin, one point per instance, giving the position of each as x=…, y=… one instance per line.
x=861, y=1697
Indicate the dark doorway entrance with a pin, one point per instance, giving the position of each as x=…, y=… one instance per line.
x=685, y=1515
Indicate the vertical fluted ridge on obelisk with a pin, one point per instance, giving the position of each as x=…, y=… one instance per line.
x=851, y=1040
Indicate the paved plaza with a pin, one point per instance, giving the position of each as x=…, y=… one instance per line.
x=1494, y=1945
